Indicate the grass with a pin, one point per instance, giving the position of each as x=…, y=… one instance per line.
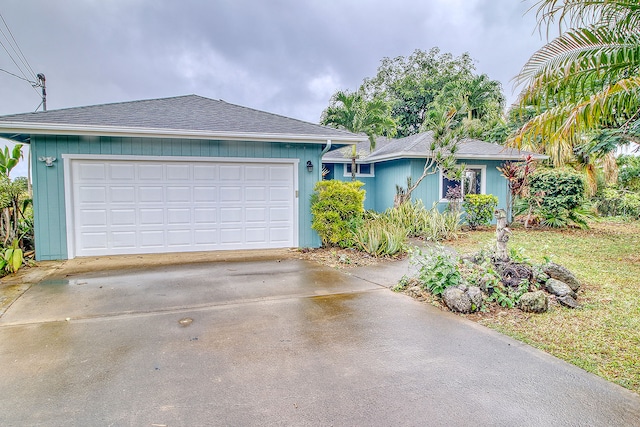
x=604, y=336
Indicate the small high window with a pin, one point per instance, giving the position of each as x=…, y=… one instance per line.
x=362, y=169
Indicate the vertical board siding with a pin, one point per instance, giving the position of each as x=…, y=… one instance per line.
x=381, y=189
x=49, y=198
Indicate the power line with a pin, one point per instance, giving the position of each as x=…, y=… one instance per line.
x=15, y=43
x=12, y=59
x=15, y=75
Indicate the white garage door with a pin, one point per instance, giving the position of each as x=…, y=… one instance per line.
x=136, y=206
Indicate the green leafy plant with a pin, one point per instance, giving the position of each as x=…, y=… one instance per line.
x=12, y=258
x=479, y=209
x=336, y=206
x=437, y=269
x=379, y=237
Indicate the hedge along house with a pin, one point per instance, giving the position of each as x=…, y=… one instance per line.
x=393, y=160
x=169, y=175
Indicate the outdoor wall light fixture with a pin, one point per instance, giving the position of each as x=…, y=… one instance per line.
x=309, y=166
x=48, y=161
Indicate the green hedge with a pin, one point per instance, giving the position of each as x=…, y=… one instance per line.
x=336, y=206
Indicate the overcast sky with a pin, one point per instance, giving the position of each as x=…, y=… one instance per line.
x=282, y=56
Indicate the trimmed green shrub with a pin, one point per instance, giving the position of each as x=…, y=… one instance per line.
x=557, y=199
x=479, y=209
x=557, y=189
x=337, y=207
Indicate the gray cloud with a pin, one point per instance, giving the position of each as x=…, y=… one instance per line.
x=283, y=56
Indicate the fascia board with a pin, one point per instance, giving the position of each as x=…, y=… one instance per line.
x=62, y=129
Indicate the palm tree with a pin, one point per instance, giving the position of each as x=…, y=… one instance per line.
x=351, y=112
x=585, y=80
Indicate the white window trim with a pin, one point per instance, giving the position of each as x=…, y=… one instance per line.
x=483, y=181
x=358, y=174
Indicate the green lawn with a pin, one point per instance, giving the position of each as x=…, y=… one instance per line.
x=604, y=336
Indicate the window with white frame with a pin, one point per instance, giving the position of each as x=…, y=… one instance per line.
x=362, y=169
x=473, y=182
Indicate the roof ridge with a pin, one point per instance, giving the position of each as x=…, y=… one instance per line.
x=284, y=117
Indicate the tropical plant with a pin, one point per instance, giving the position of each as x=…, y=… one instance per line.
x=335, y=206
x=12, y=258
x=479, y=209
x=352, y=112
x=517, y=176
x=9, y=159
x=380, y=237
x=437, y=269
x=586, y=79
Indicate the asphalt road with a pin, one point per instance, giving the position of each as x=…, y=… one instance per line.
x=274, y=342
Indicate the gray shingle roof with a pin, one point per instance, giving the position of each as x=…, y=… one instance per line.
x=189, y=113
x=418, y=146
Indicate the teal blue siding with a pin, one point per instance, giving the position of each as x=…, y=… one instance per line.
x=48, y=182
x=381, y=189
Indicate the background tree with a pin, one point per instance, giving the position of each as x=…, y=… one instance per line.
x=425, y=81
x=352, y=112
x=585, y=80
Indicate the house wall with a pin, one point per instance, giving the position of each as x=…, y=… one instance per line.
x=381, y=189
x=48, y=182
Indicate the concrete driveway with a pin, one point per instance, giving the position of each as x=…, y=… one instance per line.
x=274, y=342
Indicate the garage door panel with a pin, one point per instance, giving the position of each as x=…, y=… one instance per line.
x=230, y=215
x=96, y=240
x=151, y=194
x=279, y=194
x=150, y=172
x=206, y=237
x=179, y=216
x=231, y=194
x=178, y=172
x=92, y=194
x=280, y=214
x=179, y=237
x=205, y=172
x=205, y=194
x=255, y=173
x=181, y=194
x=152, y=239
x=122, y=172
x=122, y=194
x=256, y=235
x=256, y=214
x=231, y=236
x=92, y=172
x=282, y=234
x=151, y=216
x=205, y=216
x=120, y=217
x=280, y=173
x=123, y=239
x=150, y=206
x=255, y=194
x=230, y=172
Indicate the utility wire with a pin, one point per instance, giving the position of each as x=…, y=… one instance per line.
x=15, y=75
x=12, y=58
x=23, y=58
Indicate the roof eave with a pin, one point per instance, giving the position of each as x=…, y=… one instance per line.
x=19, y=128
x=397, y=156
